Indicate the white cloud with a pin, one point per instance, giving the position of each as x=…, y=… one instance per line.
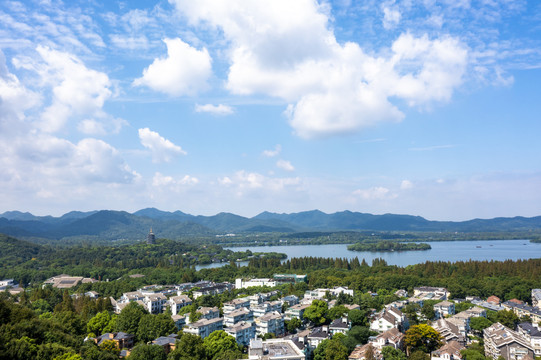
x=162, y=149
x=108, y=125
x=76, y=89
x=332, y=88
x=391, y=17
x=244, y=181
x=272, y=153
x=184, y=71
x=374, y=193
x=219, y=109
x=285, y=165
x=406, y=185
x=130, y=42
x=170, y=183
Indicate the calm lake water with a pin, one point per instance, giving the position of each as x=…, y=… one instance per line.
x=441, y=251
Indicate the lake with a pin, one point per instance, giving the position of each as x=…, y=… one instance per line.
x=441, y=251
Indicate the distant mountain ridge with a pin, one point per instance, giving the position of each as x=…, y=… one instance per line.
x=114, y=225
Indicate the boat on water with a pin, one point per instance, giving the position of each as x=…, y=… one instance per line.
x=478, y=246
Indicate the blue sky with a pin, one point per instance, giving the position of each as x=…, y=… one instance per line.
x=428, y=108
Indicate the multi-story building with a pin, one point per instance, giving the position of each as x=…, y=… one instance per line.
x=209, y=312
x=246, y=283
x=502, y=341
x=178, y=302
x=243, y=332
x=290, y=300
x=275, y=349
x=204, y=327
x=236, y=304
x=524, y=310
x=444, y=309
x=296, y=311
x=532, y=334
x=272, y=322
x=236, y=316
x=154, y=303
x=431, y=293
x=536, y=298
x=391, y=337
x=340, y=325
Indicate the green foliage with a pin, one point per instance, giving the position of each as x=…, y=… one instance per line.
x=332, y=349
x=504, y=317
x=419, y=355
x=219, y=343
x=292, y=325
x=422, y=337
x=109, y=346
x=388, y=246
x=317, y=312
x=478, y=324
x=189, y=347
x=356, y=335
x=153, y=326
x=337, y=312
x=98, y=323
x=463, y=306
x=128, y=319
x=147, y=352
x=358, y=317
x=390, y=353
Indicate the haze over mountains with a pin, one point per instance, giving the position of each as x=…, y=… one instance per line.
x=114, y=225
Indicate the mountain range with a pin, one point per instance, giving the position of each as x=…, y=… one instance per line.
x=121, y=225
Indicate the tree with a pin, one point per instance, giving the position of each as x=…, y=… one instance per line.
x=189, y=346
x=418, y=355
x=293, y=324
x=319, y=352
x=317, y=312
x=422, y=337
x=337, y=351
x=479, y=324
x=356, y=335
x=390, y=353
x=153, y=326
x=128, y=320
x=504, y=317
x=69, y=356
x=110, y=346
x=358, y=317
x=337, y=312
x=98, y=323
x=147, y=352
x=218, y=343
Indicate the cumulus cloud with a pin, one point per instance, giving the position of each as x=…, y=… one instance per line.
x=244, y=181
x=272, y=153
x=374, y=193
x=332, y=88
x=184, y=71
x=174, y=184
x=406, y=185
x=76, y=89
x=162, y=149
x=285, y=165
x=219, y=109
x=391, y=17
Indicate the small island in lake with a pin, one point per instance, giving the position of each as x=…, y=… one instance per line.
x=389, y=246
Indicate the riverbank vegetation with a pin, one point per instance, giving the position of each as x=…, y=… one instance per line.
x=389, y=246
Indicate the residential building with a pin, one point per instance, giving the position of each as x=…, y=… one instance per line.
x=449, y=331
x=274, y=349
x=212, y=290
x=401, y=293
x=246, y=283
x=243, y=332
x=431, y=293
x=8, y=283
x=444, y=309
x=168, y=343
x=178, y=302
x=131, y=296
x=494, y=300
x=290, y=300
x=536, y=297
x=391, y=337
x=449, y=351
x=502, y=341
x=65, y=281
x=317, y=335
x=154, y=303
x=272, y=322
x=289, y=278
x=266, y=307
x=204, y=327
x=524, y=310
x=236, y=304
x=179, y=320
x=236, y=316
x=296, y=311
x=209, y=312
x=531, y=334
x=361, y=352
x=121, y=339
x=341, y=325
x=383, y=321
